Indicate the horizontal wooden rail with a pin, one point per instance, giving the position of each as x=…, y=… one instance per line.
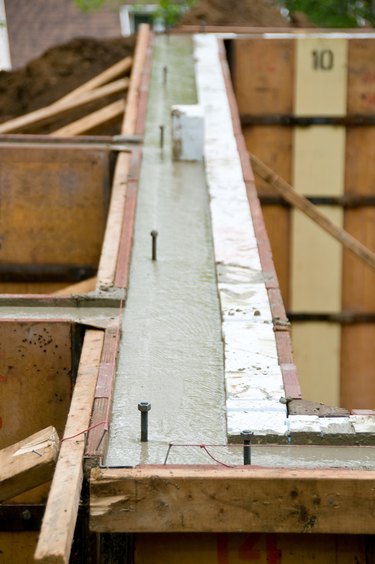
x=217, y=499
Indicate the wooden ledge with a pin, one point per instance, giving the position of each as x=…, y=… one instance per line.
x=243, y=499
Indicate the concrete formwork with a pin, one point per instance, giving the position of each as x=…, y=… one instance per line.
x=245, y=320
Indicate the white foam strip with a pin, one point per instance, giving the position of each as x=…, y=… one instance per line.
x=5, y=63
x=252, y=373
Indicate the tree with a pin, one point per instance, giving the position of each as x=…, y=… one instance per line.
x=334, y=13
x=168, y=10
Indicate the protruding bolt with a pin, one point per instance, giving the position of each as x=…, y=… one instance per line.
x=26, y=515
x=144, y=407
x=154, y=235
x=161, y=127
x=246, y=446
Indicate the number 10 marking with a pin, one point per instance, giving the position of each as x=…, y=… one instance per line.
x=323, y=60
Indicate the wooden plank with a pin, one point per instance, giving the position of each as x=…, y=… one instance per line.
x=361, y=76
x=44, y=115
x=59, y=520
x=111, y=243
x=28, y=463
x=274, y=146
x=357, y=350
x=91, y=121
x=320, y=86
x=196, y=499
x=54, y=204
x=237, y=548
x=35, y=377
x=113, y=72
x=301, y=203
x=80, y=288
x=316, y=274
x=112, y=238
x=357, y=366
x=316, y=349
x=130, y=117
x=263, y=75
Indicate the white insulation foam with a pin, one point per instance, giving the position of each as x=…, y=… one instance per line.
x=252, y=373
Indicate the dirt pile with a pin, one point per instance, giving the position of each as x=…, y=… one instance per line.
x=251, y=13
x=58, y=71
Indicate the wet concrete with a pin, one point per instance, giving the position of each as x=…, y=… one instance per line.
x=171, y=350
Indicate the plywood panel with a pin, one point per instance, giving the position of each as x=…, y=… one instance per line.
x=318, y=163
x=361, y=76
x=35, y=378
x=263, y=75
x=321, y=75
x=316, y=265
x=239, y=548
x=31, y=288
x=53, y=204
x=357, y=365
x=17, y=547
x=316, y=349
x=274, y=146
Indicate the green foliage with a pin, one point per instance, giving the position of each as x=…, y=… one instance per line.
x=334, y=13
x=88, y=5
x=170, y=11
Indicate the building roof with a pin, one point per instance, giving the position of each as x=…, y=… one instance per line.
x=35, y=26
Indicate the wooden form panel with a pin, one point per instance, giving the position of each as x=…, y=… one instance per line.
x=321, y=76
x=53, y=205
x=35, y=377
x=239, y=548
x=258, y=66
x=358, y=294
x=318, y=360
x=318, y=170
x=193, y=499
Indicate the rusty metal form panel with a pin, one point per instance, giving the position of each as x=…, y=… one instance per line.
x=54, y=202
x=239, y=548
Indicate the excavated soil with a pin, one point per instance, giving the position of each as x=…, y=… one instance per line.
x=250, y=13
x=64, y=67
x=58, y=71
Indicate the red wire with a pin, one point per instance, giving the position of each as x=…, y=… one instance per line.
x=84, y=431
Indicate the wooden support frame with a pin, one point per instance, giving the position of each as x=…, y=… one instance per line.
x=59, y=520
x=195, y=499
x=28, y=463
x=58, y=109
x=132, y=124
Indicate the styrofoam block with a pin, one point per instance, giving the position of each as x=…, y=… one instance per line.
x=363, y=423
x=304, y=424
x=336, y=425
x=260, y=422
x=187, y=132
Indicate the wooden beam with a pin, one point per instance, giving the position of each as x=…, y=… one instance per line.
x=216, y=499
x=111, y=244
x=59, y=520
x=115, y=71
x=79, y=288
x=28, y=463
x=306, y=207
x=57, y=109
x=89, y=122
x=130, y=117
